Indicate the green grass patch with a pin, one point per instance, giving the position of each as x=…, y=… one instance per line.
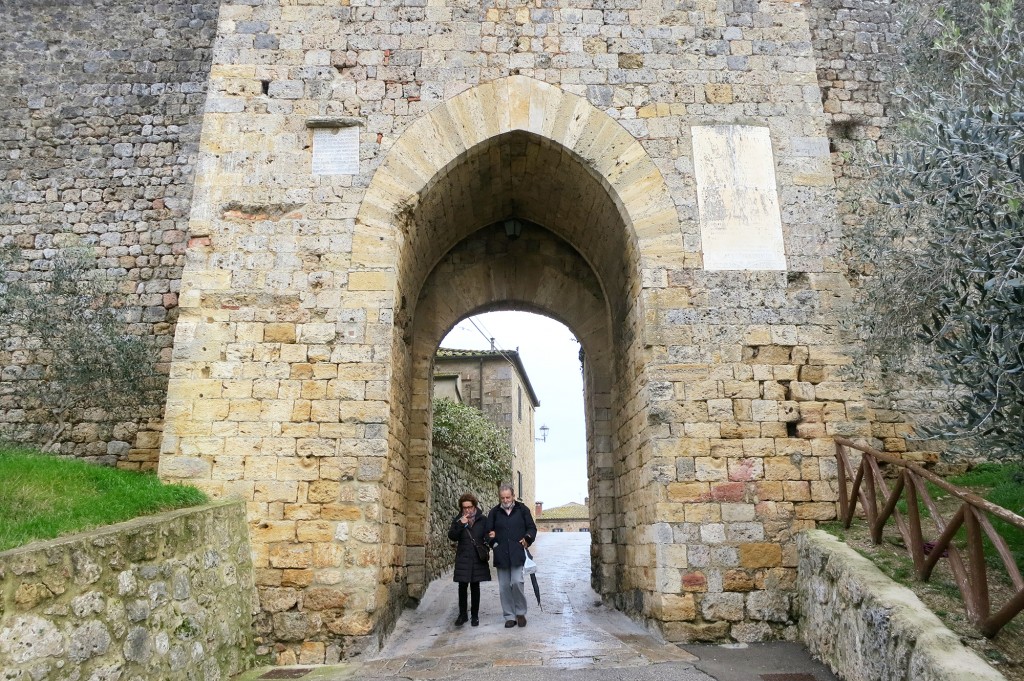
x=934, y=491
x=1000, y=483
x=1004, y=486
x=43, y=496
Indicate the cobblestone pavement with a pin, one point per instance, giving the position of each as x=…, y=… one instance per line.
x=571, y=636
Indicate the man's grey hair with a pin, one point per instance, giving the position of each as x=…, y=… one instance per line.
x=506, y=487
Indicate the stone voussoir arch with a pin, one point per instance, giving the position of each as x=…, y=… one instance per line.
x=439, y=140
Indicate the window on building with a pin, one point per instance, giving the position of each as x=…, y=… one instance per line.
x=520, y=397
x=519, y=487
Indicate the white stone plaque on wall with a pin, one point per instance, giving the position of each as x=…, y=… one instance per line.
x=740, y=222
x=336, y=151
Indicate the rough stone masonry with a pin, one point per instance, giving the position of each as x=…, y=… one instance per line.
x=316, y=279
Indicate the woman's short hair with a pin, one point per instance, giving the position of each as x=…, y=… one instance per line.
x=468, y=497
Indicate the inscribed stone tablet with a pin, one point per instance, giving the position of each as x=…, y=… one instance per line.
x=336, y=151
x=740, y=222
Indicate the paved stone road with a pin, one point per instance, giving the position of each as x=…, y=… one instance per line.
x=573, y=636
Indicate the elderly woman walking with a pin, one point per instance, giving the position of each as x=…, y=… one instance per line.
x=511, y=530
x=469, y=530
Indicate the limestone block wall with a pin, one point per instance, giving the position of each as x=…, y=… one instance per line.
x=293, y=383
x=711, y=395
x=99, y=132
x=866, y=627
x=168, y=596
x=857, y=45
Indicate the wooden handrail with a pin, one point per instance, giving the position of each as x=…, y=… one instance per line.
x=970, y=572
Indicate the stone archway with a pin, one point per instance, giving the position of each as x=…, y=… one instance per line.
x=521, y=147
x=309, y=304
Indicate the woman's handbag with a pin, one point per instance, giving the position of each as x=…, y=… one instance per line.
x=483, y=551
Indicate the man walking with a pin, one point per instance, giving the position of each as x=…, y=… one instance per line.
x=512, y=530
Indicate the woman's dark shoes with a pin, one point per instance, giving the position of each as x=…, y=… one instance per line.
x=461, y=619
x=509, y=624
x=475, y=622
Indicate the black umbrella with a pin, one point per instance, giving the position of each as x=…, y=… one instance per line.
x=533, y=580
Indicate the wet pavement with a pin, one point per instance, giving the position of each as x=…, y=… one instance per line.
x=573, y=636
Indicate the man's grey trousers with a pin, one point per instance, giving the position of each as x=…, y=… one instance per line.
x=510, y=587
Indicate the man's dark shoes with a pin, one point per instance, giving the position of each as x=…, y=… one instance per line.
x=475, y=622
x=520, y=620
x=461, y=619
x=509, y=624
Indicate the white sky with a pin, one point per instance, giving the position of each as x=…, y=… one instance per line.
x=550, y=354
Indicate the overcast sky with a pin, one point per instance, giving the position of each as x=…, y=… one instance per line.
x=550, y=354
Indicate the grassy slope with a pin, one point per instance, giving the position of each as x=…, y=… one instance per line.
x=1004, y=485
x=42, y=496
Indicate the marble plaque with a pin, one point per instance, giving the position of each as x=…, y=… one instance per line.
x=336, y=151
x=740, y=222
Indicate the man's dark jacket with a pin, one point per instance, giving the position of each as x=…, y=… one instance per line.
x=509, y=528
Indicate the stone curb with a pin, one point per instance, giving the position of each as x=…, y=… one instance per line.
x=865, y=626
x=116, y=528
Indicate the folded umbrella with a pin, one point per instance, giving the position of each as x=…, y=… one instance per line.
x=533, y=577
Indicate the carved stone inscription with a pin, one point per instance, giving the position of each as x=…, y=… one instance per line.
x=740, y=222
x=336, y=151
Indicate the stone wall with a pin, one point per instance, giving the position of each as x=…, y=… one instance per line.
x=59, y=141
x=712, y=394
x=311, y=304
x=99, y=131
x=582, y=525
x=867, y=627
x=448, y=481
x=167, y=596
x=857, y=48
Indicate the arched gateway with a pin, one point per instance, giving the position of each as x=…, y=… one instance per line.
x=594, y=205
x=697, y=276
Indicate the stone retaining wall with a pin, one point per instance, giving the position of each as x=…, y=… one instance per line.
x=866, y=626
x=167, y=596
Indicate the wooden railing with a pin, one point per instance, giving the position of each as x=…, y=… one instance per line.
x=871, y=488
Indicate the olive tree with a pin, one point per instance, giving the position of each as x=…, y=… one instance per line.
x=68, y=321
x=948, y=253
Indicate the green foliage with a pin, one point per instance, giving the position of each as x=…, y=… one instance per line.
x=948, y=277
x=467, y=434
x=1000, y=483
x=1004, y=485
x=84, y=357
x=43, y=496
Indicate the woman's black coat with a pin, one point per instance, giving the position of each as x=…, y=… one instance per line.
x=468, y=567
x=509, y=528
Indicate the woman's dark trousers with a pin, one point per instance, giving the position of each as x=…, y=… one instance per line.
x=474, y=589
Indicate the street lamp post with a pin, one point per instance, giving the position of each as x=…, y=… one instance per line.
x=543, y=434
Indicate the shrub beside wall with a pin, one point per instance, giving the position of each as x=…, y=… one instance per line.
x=167, y=596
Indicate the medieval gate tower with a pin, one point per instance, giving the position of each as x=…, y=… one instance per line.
x=668, y=163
